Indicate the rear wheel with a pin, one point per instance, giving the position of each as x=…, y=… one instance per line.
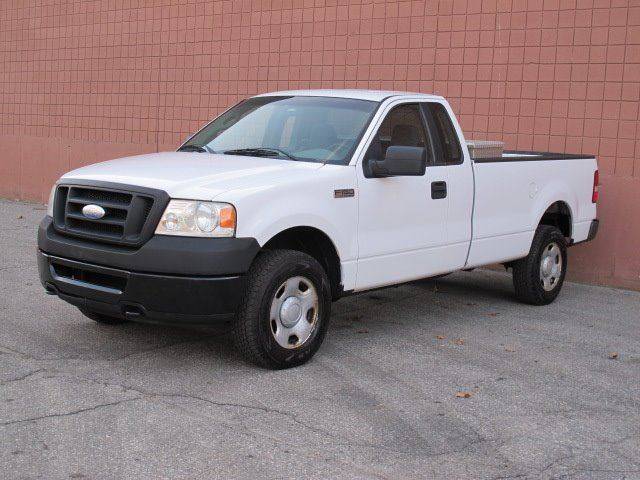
x=539, y=276
x=101, y=317
x=285, y=311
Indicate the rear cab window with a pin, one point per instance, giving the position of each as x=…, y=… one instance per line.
x=446, y=146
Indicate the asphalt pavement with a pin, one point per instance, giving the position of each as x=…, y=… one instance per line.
x=449, y=378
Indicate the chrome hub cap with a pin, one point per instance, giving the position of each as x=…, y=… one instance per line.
x=550, y=266
x=290, y=312
x=294, y=312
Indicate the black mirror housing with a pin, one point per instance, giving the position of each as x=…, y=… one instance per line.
x=399, y=161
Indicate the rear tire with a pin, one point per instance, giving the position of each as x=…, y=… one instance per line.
x=539, y=276
x=285, y=311
x=102, y=318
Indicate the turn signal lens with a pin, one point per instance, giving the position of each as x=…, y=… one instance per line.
x=228, y=217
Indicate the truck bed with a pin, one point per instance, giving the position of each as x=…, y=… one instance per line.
x=526, y=156
x=513, y=191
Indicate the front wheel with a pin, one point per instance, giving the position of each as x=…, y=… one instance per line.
x=539, y=276
x=284, y=314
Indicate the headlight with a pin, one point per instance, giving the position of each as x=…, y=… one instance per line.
x=191, y=218
x=52, y=197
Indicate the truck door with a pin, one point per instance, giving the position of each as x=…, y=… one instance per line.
x=402, y=220
x=454, y=167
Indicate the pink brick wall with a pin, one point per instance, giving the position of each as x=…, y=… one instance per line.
x=87, y=81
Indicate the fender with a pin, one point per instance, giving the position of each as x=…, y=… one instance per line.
x=348, y=267
x=265, y=231
x=303, y=201
x=556, y=191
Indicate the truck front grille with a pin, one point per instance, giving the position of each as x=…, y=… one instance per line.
x=127, y=214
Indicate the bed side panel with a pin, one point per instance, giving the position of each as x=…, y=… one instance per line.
x=511, y=198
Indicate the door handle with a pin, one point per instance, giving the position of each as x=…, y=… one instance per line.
x=438, y=190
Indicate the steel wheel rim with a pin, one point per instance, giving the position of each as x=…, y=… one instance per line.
x=293, y=316
x=550, y=266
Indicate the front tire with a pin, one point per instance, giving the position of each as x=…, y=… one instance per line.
x=539, y=276
x=285, y=312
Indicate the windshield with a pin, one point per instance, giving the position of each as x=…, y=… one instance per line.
x=317, y=129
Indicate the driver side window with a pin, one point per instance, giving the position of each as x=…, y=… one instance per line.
x=403, y=127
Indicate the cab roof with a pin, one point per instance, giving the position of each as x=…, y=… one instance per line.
x=371, y=95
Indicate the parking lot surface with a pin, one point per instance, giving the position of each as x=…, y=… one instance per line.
x=449, y=378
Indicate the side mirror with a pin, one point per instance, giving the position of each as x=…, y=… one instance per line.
x=398, y=162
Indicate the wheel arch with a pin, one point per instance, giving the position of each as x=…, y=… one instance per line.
x=555, y=204
x=317, y=244
x=558, y=214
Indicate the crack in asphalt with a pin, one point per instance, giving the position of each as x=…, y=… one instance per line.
x=557, y=461
x=67, y=414
x=22, y=377
x=26, y=356
x=150, y=394
x=259, y=408
x=343, y=442
x=296, y=420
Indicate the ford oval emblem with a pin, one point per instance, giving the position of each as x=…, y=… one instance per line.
x=93, y=211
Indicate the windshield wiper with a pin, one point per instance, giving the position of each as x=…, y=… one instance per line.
x=260, y=152
x=195, y=148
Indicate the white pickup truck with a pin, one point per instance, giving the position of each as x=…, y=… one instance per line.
x=290, y=200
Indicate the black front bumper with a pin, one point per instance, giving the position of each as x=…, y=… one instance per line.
x=174, y=280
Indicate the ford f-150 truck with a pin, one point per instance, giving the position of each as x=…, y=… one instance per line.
x=290, y=200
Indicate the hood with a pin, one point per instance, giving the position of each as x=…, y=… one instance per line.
x=198, y=176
